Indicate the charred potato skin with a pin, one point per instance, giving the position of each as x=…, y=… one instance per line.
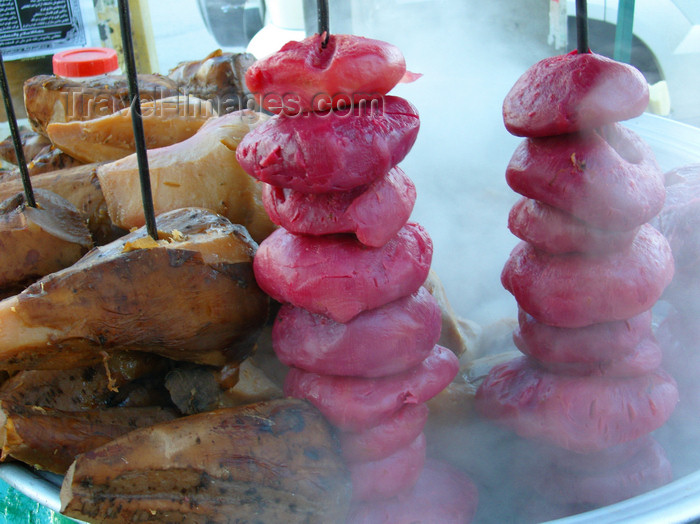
x=149, y=316
x=48, y=417
x=81, y=187
x=123, y=379
x=203, y=307
x=273, y=461
x=50, y=439
x=49, y=98
x=35, y=241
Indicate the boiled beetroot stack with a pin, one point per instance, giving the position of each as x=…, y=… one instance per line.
x=356, y=327
x=585, y=276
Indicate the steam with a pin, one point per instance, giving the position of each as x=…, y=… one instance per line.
x=470, y=55
x=466, y=55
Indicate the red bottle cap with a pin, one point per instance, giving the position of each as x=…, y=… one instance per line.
x=87, y=61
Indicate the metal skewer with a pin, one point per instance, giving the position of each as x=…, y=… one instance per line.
x=16, y=140
x=137, y=122
x=323, y=21
x=582, y=26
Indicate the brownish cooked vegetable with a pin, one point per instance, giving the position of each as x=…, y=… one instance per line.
x=124, y=379
x=200, y=171
x=111, y=137
x=271, y=462
x=218, y=78
x=194, y=389
x=49, y=98
x=36, y=241
x=51, y=159
x=191, y=296
x=50, y=439
x=32, y=144
x=80, y=186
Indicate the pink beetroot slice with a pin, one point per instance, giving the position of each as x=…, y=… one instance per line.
x=388, y=476
x=644, y=358
x=382, y=341
x=573, y=92
x=577, y=290
x=385, y=438
x=581, y=414
x=305, y=76
x=585, y=345
x=557, y=232
x=647, y=469
x=333, y=151
x=337, y=276
x=442, y=494
x=607, y=177
x=357, y=404
x=375, y=213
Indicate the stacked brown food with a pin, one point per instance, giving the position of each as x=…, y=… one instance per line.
x=108, y=362
x=356, y=327
x=585, y=277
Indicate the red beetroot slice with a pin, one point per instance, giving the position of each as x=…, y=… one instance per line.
x=582, y=414
x=304, y=76
x=577, y=290
x=356, y=404
x=335, y=151
x=385, y=438
x=557, y=232
x=337, y=276
x=375, y=213
x=379, y=342
x=648, y=469
x=572, y=92
x=442, y=495
x=645, y=358
x=589, y=344
x=389, y=476
x=679, y=220
x=607, y=178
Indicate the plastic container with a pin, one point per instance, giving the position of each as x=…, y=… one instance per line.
x=86, y=63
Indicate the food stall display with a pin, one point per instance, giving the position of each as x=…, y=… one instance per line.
x=219, y=307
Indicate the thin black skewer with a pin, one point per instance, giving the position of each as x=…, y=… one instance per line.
x=582, y=26
x=137, y=122
x=323, y=21
x=16, y=140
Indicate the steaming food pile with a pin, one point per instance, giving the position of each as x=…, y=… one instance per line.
x=91, y=352
x=129, y=369
x=356, y=326
x=585, y=276
x=123, y=365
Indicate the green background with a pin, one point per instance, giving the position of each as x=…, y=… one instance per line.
x=19, y=509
